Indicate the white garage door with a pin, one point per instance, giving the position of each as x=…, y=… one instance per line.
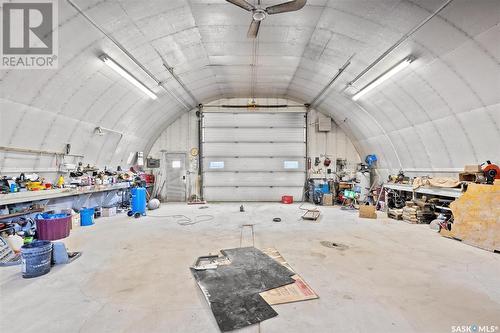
x=253, y=156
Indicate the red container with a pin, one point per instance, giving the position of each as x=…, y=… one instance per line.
x=148, y=178
x=287, y=199
x=54, y=228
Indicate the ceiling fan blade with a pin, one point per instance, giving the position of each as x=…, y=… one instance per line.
x=253, y=31
x=243, y=4
x=289, y=6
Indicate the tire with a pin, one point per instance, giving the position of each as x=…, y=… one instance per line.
x=137, y=215
x=130, y=213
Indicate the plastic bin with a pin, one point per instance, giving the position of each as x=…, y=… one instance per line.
x=52, y=226
x=87, y=217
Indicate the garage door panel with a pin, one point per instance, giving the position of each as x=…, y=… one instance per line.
x=254, y=135
x=284, y=179
x=252, y=150
x=253, y=164
x=253, y=156
x=251, y=193
x=247, y=119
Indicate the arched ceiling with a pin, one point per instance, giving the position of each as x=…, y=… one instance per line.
x=441, y=112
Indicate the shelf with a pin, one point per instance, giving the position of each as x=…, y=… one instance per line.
x=439, y=191
x=28, y=196
x=31, y=211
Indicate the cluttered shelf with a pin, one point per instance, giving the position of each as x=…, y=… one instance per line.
x=29, y=211
x=27, y=196
x=439, y=191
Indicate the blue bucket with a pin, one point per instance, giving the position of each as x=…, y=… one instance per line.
x=86, y=216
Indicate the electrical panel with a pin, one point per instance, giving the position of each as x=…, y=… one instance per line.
x=153, y=163
x=324, y=123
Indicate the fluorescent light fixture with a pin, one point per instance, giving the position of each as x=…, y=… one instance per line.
x=123, y=72
x=384, y=76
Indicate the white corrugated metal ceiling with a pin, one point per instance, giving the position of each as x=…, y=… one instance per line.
x=441, y=112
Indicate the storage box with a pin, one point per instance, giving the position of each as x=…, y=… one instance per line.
x=108, y=211
x=367, y=212
x=471, y=177
x=75, y=217
x=327, y=199
x=75, y=220
x=473, y=168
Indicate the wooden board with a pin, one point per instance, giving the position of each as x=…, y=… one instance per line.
x=295, y=292
x=477, y=217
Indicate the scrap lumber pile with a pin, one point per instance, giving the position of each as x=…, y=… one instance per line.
x=395, y=213
x=418, y=211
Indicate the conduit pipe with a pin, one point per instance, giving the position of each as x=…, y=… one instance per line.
x=401, y=40
x=131, y=57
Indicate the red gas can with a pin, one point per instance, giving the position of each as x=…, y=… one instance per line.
x=287, y=199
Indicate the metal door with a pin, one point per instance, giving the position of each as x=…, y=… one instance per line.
x=175, y=170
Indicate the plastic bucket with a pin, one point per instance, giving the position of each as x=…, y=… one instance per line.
x=287, y=199
x=86, y=216
x=35, y=258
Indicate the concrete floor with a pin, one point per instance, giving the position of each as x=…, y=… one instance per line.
x=134, y=277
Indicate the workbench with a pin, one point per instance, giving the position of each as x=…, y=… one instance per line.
x=30, y=196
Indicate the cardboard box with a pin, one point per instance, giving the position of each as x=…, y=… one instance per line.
x=367, y=212
x=473, y=168
x=75, y=217
x=108, y=211
x=470, y=176
x=327, y=199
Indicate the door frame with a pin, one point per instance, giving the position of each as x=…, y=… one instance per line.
x=185, y=176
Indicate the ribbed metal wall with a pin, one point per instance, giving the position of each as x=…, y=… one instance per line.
x=438, y=114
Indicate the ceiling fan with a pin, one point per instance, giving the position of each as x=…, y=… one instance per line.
x=259, y=13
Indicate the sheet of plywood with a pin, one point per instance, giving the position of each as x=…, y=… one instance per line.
x=477, y=217
x=295, y=292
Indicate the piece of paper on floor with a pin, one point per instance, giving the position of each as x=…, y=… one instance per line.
x=295, y=292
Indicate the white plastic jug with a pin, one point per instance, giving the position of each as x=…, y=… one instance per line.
x=15, y=242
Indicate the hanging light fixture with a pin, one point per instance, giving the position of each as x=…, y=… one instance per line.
x=127, y=75
x=384, y=76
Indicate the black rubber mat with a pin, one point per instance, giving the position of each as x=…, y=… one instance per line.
x=233, y=290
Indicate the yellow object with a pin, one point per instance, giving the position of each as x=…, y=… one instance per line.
x=60, y=182
x=477, y=217
x=34, y=186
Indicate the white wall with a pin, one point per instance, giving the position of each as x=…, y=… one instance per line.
x=180, y=137
x=334, y=144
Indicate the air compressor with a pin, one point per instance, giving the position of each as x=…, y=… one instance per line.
x=137, y=202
